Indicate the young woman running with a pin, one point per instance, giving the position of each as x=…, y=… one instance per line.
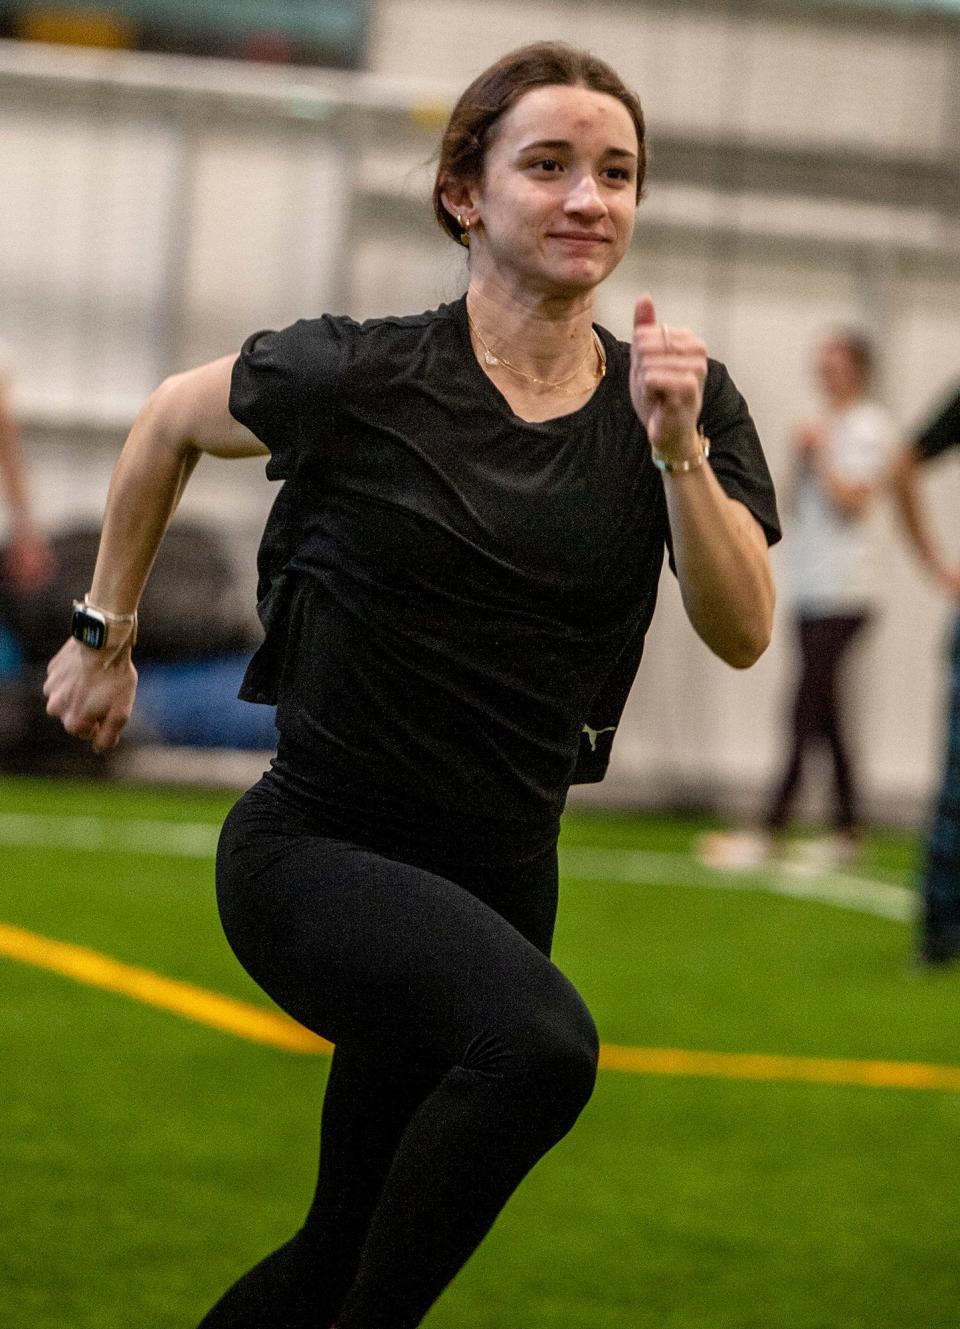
x=455, y=583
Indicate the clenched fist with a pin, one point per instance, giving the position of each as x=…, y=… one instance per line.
x=668, y=368
x=92, y=698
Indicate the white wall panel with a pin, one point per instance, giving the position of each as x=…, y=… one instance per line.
x=719, y=72
x=397, y=274
x=817, y=83
x=263, y=234
x=678, y=62
x=419, y=38
x=82, y=263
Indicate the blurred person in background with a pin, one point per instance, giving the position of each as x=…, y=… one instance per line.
x=27, y=559
x=26, y=566
x=840, y=459
x=456, y=581
x=940, y=915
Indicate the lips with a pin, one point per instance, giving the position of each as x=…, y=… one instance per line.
x=580, y=237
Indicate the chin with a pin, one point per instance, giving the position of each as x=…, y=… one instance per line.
x=574, y=283
x=584, y=269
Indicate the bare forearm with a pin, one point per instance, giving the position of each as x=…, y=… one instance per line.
x=909, y=509
x=91, y=690
x=146, y=486
x=722, y=567
x=914, y=520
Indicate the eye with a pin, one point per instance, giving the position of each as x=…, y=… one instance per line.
x=548, y=164
x=619, y=173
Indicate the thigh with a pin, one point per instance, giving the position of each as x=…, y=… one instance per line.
x=376, y=952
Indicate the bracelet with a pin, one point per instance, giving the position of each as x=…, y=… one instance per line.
x=688, y=464
x=85, y=603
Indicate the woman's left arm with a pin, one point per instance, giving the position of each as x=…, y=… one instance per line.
x=720, y=552
x=719, y=548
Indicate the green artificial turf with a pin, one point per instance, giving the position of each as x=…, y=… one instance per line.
x=147, y=1160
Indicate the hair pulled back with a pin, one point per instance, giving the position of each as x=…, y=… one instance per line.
x=469, y=130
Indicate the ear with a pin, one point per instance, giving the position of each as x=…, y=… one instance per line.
x=458, y=199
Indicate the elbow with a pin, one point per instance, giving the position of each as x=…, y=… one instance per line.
x=748, y=648
x=740, y=645
x=746, y=639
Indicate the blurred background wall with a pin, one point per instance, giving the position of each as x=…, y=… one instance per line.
x=805, y=172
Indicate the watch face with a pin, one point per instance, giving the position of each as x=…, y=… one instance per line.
x=89, y=628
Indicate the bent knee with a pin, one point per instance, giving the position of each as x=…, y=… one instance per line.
x=563, y=1049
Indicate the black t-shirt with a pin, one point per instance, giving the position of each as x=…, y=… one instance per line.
x=942, y=432
x=454, y=599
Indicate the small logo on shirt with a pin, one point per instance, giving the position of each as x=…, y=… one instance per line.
x=594, y=734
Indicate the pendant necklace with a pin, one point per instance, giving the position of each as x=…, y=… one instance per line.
x=492, y=359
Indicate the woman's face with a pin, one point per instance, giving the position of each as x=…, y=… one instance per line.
x=556, y=207
x=839, y=373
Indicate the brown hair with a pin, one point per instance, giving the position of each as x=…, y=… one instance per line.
x=859, y=347
x=468, y=134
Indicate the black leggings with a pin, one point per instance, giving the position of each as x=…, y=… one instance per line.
x=462, y=1056
x=817, y=716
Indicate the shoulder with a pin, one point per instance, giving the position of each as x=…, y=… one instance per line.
x=301, y=350
x=317, y=354
x=735, y=451
x=302, y=339
x=409, y=324
x=403, y=332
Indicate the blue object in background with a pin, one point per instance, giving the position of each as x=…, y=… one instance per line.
x=196, y=705
x=11, y=657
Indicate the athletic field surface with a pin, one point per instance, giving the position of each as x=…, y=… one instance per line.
x=772, y=1143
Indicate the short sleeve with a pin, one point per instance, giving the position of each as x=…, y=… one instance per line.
x=284, y=388
x=735, y=452
x=942, y=432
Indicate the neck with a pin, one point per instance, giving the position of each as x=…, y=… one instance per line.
x=547, y=337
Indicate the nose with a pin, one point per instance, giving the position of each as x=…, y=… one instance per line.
x=584, y=197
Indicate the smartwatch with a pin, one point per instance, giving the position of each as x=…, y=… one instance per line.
x=92, y=626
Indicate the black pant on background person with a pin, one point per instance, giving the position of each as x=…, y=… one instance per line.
x=463, y=1055
x=818, y=717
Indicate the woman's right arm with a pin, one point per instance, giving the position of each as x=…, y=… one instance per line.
x=913, y=516
x=91, y=691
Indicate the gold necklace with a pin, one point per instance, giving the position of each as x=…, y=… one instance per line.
x=491, y=359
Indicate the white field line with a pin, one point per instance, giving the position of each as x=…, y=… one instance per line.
x=637, y=866
x=170, y=839
x=801, y=880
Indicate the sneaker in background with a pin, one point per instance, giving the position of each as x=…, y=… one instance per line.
x=736, y=851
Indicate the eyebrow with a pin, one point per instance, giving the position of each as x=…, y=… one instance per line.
x=555, y=143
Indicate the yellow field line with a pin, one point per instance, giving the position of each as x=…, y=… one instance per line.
x=761, y=1066
x=261, y=1025
x=86, y=966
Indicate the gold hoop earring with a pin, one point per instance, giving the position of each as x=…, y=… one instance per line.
x=464, y=224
